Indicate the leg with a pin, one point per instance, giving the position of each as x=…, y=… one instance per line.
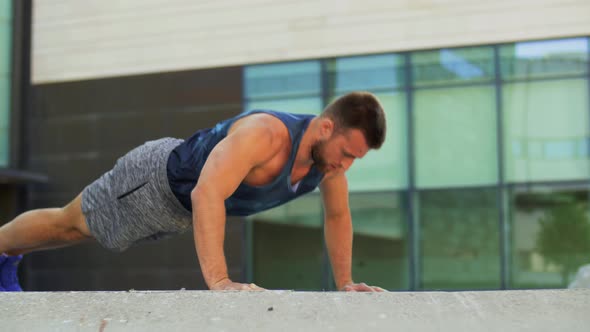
x=45, y=229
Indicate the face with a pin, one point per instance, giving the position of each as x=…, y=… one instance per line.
x=339, y=150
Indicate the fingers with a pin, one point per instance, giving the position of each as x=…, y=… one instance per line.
x=242, y=287
x=350, y=288
x=362, y=287
x=256, y=287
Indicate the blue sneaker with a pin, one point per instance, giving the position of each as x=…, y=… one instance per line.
x=2, y=259
x=9, y=273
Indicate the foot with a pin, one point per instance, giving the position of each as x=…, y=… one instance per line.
x=9, y=273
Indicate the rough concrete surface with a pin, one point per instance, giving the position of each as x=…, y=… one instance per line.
x=534, y=310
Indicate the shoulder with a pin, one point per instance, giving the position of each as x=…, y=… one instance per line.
x=261, y=134
x=262, y=124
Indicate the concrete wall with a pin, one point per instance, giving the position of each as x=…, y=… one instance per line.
x=87, y=39
x=508, y=311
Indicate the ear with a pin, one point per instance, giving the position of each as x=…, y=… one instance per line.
x=326, y=128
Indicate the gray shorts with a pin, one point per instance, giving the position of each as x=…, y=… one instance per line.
x=133, y=202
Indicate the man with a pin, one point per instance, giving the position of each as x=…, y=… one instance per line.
x=243, y=165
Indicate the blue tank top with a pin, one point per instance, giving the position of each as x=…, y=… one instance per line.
x=187, y=160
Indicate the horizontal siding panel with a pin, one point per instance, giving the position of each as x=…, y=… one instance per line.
x=75, y=40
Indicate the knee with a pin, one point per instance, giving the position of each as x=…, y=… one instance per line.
x=76, y=225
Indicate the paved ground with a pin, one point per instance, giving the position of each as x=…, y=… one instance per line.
x=539, y=310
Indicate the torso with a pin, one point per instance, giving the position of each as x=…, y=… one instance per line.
x=264, y=186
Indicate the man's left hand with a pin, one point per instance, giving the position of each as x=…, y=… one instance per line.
x=362, y=287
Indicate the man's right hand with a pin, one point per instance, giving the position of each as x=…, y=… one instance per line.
x=227, y=284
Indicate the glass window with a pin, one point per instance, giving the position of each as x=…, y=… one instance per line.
x=380, y=253
x=5, y=79
x=380, y=242
x=4, y=120
x=548, y=58
x=5, y=46
x=550, y=234
x=288, y=245
x=309, y=105
x=452, y=66
x=455, y=137
x=459, y=239
x=546, y=137
x=5, y=10
x=367, y=73
x=293, y=87
x=293, y=79
x=546, y=130
x=386, y=168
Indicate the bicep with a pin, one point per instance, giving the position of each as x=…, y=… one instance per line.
x=232, y=159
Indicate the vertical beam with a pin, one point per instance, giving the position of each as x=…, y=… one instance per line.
x=503, y=226
x=20, y=106
x=15, y=85
x=413, y=227
x=588, y=85
x=248, y=227
x=21, y=91
x=327, y=274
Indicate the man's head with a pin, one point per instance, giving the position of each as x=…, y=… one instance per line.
x=348, y=128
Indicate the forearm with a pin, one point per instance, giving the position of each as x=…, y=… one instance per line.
x=209, y=233
x=338, y=235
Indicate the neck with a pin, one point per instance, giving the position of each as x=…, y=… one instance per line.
x=303, y=157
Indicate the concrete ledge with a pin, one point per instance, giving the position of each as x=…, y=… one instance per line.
x=539, y=310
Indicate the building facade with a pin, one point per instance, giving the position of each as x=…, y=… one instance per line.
x=482, y=182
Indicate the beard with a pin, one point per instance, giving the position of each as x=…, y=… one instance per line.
x=319, y=161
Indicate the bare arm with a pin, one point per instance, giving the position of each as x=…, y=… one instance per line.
x=228, y=164
x=338, y=232
x=338, y=227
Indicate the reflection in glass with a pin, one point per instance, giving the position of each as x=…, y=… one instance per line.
x=549, y=58
x=4, y=119
x=288, y=245
x=380, y=255
x=546, y=130
x=546, y=137
x=550, y=235
x=386, y=168
x=5, y=79
x=449, y=66
x=5, y=47
x=310, y=105
x=282, y=80
x=455, y=137
x=459, y=239
x=368, y=73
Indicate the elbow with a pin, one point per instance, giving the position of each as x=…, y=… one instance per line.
x=197, y=191
x=204, y=195
x=200, y=194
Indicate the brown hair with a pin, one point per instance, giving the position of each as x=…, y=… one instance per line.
x=359, y=110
